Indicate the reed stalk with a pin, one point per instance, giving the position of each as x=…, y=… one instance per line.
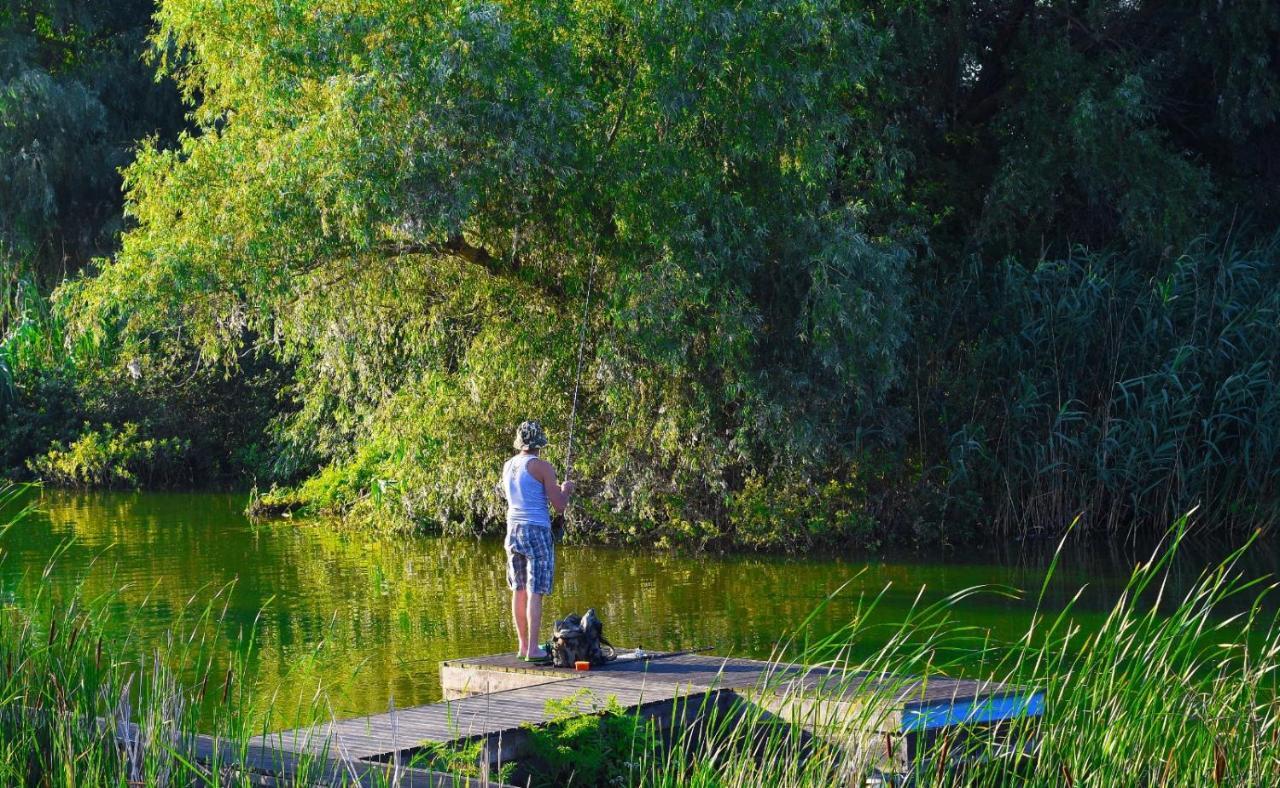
x=1163, y=691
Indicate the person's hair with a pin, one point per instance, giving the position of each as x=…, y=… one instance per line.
x=529, y=436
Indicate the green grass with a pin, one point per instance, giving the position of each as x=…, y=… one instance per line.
x=1164, y=691
x=81, y=708
x=78, y=708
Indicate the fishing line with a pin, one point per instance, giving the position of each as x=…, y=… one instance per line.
x=577, y=375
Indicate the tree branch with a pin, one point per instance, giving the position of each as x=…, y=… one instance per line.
x=453, y=246
x=458, y=246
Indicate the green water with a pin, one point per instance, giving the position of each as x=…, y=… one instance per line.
x=369, y=618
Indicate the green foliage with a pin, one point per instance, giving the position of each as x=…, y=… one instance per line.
x=28, y=332
x=110, y=457
x=39, y=402
x=50, y=387
x=773, y=515
x=46, y=411
x=1126, y=389
x=1173, y=691
x=75, y=96
x=1026, y=128
x=459, y=760
x=586, y=744
x=956, y=243
x=425, y=294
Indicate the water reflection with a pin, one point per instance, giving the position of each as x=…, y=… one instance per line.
x=370, y=618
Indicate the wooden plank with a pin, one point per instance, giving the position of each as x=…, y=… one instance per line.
x=451, y=720
x=480, y=715
x=458, y=681
x=272, y=766
x=234, y=763
x=817, y=698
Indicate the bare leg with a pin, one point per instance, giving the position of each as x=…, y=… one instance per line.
x=519, y=606
x=534, y=621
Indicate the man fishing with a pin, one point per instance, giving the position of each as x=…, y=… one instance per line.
x=529, y=484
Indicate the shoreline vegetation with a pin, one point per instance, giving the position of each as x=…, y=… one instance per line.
x=1162, y=691
x=1199, y=425
x=865, y=274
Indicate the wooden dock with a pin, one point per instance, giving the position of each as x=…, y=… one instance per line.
x=494, y=699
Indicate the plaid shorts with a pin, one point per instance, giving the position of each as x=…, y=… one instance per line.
x=531, y=558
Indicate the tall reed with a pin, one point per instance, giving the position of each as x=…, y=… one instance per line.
x=1127, y=388
x=30, y=333
x=1166, y=691
x=83, y=703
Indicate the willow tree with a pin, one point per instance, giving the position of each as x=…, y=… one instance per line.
x=406, y=202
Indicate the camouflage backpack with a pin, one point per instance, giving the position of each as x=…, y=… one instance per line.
x=580, y=639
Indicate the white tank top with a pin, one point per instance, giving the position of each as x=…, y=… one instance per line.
x=526, y=497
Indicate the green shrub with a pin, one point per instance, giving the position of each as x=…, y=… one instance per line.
x=355, y=487
x=51, y=385
x=107, y=457
x=45, y=410
x=796, y=514
x=460, y=760
x=582, y=746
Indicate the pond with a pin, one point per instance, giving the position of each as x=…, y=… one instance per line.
x=368, y=618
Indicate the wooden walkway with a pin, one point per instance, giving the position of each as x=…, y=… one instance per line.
x=497, y=714
x=493, y=699
x=261, y=763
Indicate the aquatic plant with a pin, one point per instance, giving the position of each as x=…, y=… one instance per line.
x=1165, y=692
x=588, y=746
x=111, y=457
x=85, y=704
x=1161, y=691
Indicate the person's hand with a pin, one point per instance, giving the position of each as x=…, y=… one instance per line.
x=567, y=487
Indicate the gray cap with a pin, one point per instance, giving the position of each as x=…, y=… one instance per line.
x=529, y=435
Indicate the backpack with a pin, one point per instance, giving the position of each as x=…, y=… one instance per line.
x=580, y=639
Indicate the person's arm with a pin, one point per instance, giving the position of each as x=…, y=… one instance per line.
x=500, y=486
x=557, y=494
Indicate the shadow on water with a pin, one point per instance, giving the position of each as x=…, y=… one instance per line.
x=369, y=617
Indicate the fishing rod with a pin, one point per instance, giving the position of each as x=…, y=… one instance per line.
x=559, y=521
x=577, y=375
x=643, y=657
x=632, y=657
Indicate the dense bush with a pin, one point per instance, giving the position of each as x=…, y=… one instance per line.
x=797, y=515
x=77, y=93
x=589, y=743
x=75, y=96
x=39, y=400
x=110, y=457
x=51, y=389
